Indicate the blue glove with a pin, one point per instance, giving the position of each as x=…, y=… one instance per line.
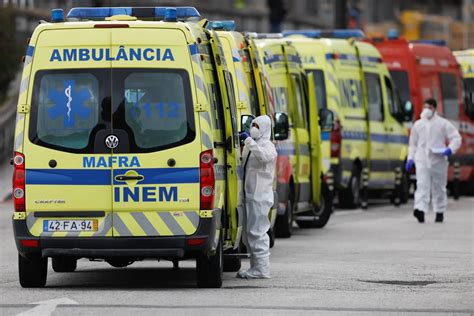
x=448, y=152
x=244, y=136
x=409, y=165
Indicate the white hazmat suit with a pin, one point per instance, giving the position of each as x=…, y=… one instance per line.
x=258, y=164
x=432, y=168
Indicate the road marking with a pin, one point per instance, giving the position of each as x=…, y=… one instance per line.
x=46, y=308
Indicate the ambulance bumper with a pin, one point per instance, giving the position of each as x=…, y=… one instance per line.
x=105, y=247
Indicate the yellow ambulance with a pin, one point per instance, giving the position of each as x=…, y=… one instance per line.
x=465, y=59
x=235, y=50
x=126, y=143
x=303, y=193
x=368, y=141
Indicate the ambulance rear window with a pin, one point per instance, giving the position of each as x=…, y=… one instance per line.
x=157, y=108
x=65, y=108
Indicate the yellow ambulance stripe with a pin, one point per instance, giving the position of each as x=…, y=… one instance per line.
x=115, y=233
x=19, y=134
x=205, y=123
x=159, y=224
x=175, y=223
x=24, y=84
x=36, y=228
x=60, y=234
x=132, y=225
x=86, y=234
x=185, y=224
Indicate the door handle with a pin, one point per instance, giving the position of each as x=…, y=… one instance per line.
x=123, y=177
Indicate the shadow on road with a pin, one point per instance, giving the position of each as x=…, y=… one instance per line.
x=125, y=278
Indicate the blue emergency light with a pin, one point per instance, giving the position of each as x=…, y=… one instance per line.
x=171, y=15
x=342, y=33
x=221, y=25
x=162, y=13
x=57, y=15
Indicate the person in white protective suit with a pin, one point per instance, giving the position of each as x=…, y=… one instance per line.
x=258, y=165
x=429, y=154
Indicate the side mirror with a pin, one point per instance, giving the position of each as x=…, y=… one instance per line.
x=246, y=122
x=282, y=126
x=326, y=120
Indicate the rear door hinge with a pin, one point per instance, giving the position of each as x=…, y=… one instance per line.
x=23, y=108
x=199, y=107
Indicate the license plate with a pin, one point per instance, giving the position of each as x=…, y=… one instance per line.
x=70, y=225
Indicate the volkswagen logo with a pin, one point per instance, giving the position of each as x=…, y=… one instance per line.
x=112, y=141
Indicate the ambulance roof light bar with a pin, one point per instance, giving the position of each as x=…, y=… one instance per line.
x=263, y=35
x=163, y=13
x=57, y=15
x=221, y=25
x=338, y=33
x=432, y=42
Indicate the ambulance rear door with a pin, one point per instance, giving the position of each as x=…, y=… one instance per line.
x=232, y=143
x=156, y=157
x=68, y=175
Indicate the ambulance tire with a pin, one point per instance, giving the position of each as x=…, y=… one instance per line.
x=284, y=223
x=210, y=268
x=323, y=214
x=32, y=271
x=119, y=262
x=350, y=197
x=62, y=264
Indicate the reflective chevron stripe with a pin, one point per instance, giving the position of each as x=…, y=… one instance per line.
x=120, y=224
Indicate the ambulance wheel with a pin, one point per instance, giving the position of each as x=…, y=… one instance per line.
x=119, y=262
x=322, y=213
x=209, y=268
x=284, y=223
x=349, y=198
x=32, y=270
x=63, y=264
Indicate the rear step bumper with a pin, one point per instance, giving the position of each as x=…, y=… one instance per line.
x=105, y=247
x=111, y=253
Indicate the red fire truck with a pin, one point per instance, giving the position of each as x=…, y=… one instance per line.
x=424, y=70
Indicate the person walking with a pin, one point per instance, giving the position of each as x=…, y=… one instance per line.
x=258, y=165
x=429, y=154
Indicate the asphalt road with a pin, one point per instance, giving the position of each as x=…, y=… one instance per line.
x=379, y=261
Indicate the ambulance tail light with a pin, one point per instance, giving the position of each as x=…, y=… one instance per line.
x=207, y=180
x=336, y=137
x=18, y=194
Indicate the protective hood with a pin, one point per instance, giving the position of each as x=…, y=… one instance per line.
x=265, y=125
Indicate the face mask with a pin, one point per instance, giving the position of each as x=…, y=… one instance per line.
x=426, y=113
x=254, y=132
